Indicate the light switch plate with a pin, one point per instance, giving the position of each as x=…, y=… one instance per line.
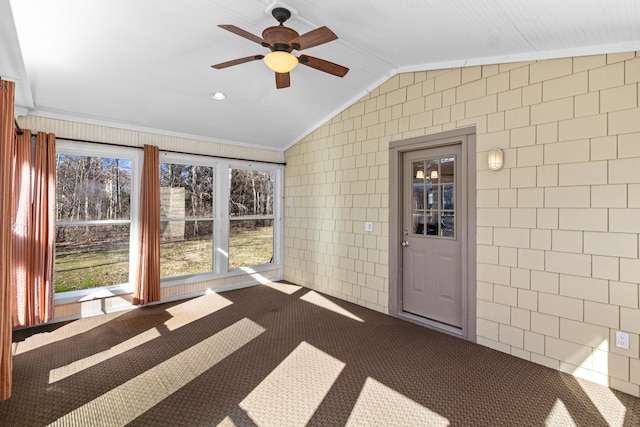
x=368, y=226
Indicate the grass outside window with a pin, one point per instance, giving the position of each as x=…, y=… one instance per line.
x=96, y=265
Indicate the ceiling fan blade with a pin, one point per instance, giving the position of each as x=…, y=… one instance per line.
x=246, y=34
x=283, y=80
x=323, y=65
x=237, y=61
x=313, y=38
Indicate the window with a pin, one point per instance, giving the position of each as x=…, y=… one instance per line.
x=93, y=217
x=186, y=219
x=433, y=208
x=215, y=216
x=251, y=218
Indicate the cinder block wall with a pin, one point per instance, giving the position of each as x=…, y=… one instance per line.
x=558, y=267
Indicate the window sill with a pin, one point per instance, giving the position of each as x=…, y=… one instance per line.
x=124, y=289
x=92, y=294
x=195, y=278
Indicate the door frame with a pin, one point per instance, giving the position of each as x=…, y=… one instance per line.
x=467, y=138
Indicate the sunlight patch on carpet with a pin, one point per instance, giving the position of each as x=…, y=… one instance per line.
x=597, y=367
x=227, y=422
x=195, y=309
x=128, y=401
x=609, y=406
x=285, y=288
x=293, y=391
x=559, y=416
x=383, y=406
x=321, y=301
x=73, y=368
x=182, y=314
x=76, y=327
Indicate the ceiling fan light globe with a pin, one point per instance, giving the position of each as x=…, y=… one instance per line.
x=281, y=62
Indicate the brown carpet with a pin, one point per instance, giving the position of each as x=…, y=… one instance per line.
x=279, y=355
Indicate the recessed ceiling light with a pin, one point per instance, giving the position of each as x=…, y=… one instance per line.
x=218, y=96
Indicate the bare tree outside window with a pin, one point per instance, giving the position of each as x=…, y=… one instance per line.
x=93, y=212
x=186, y=219
x=251, y=218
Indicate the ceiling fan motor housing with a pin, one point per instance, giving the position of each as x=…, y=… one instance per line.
x=278, y=38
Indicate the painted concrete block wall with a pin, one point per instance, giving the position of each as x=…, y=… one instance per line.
x=558, y=264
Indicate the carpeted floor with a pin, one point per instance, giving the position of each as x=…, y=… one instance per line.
x=281, y=355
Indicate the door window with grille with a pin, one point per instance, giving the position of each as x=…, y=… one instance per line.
x=433, y=202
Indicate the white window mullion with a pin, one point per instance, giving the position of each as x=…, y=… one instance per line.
x=221, y=226
x=134, y=230
x=278, y=226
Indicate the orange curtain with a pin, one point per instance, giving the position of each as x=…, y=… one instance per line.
x=22, y=276
x=7, y=137
x=34, y=229
x=147, y=284
x=43, y=217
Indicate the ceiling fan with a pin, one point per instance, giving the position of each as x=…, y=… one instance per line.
x=282, y=41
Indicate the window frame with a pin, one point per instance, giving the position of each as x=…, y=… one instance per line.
x=134, y=155
x=194, y=160
x=276, y=199
x=221, y=216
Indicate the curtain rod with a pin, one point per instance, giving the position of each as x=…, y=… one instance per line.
x=168, y=151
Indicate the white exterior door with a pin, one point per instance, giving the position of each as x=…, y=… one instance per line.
x=433, y=232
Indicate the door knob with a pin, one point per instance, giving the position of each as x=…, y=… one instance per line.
x=404, y=243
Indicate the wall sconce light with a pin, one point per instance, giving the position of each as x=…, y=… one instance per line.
x=420, y=174
x=434, y=175
x=496, y=159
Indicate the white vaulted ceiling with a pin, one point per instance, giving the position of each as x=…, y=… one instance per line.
x=145, y=64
